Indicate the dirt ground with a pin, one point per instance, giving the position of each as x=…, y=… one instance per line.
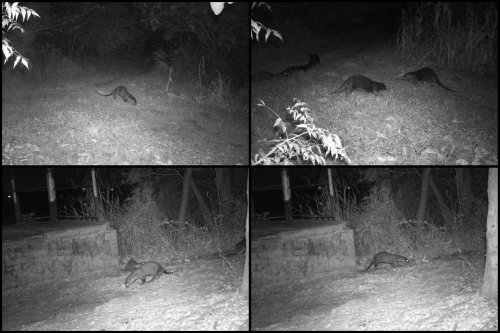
x=200, y=295
x=439, y=294
x=72, y=125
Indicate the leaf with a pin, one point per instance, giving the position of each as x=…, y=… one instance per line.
x=217, y=7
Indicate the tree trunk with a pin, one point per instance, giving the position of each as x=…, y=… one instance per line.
x=245, y=282
x=464, y=188
x=224, y=189
x=424, y=194
x=185, y=194
x=445, y=210
x=201, y=203
x=490, y=279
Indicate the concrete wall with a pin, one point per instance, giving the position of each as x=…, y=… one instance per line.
x=55, y=254
x=301, y=253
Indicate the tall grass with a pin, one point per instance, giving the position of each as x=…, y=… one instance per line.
x=456, y=35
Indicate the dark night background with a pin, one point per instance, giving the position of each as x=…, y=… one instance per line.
x=118, y=185
x=139, y=35
x=357, y=186
x=341, y=20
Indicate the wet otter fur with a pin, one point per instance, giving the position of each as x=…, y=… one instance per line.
x=143, y=270
x=261, y=76
x=313, y=61
x=425, y=74
x=360, y=82
x=132, y=265
x=122, y=92
x=387, y=258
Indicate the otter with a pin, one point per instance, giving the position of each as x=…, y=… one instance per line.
x=425, y=75
x=123, y=93
x=387, y=258
x=360, y=82
x=313, y=61
x=149, y=268
x=261, y=76
x=132, y=264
